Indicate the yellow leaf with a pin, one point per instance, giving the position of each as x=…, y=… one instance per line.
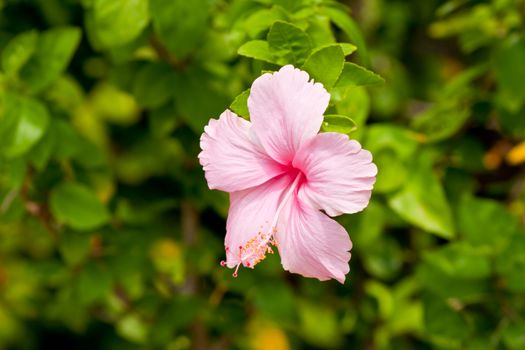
x=516, y=155
x=268, y=337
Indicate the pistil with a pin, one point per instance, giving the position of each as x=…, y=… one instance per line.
x=258, y=246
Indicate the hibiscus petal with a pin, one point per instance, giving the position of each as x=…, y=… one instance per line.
x=312, y=244
x=252, y=214
x=231, y=161
x=340, y=175
x=286, y=110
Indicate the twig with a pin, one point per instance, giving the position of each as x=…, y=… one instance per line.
x=8, y=199
x=165, y=55
x=190, y=230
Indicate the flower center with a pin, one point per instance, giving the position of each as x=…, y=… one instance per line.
x=255, y=249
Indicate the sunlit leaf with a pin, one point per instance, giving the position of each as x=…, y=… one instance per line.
x=257, y=49
x=289, y=43
x=356, y=75
x=240, y=104
x=325, y=65
x=18, y=51
x=25, y=121
x=54, y=50
x=338, y=123
x=117, y=22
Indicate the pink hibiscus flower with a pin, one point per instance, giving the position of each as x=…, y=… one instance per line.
x=280, y=173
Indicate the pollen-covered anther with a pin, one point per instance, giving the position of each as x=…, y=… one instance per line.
x=255, y=249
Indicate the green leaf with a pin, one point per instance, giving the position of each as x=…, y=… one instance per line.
x=512, y=123
x=441, y=121
x=66, y=141
x=137, y=164
x=162, y=121
x=347, y=48
x=510, y=73
x=358, y=76
x=154, y=85
x=434, y=279
x=93, y=284
x=261, y=20
x=78, y=207
x=393, y=172
x=446, y=117
x=18, y=51
x=74, y=247
x=117, y=22
x=486, y=223
x=383, y=296
x=240, y=104
x=369, y=225
x=353, y=101
x=319, y=28
x=289, y=5
x=24, y=122
x=132, y=328
x=117, y=106
x=443, y=322
x=257, y=49
x=510, y=264
x=390, y=136
x=319, y=325
x=351, y=29
x=289, y=43
x=338, y=123
x=384, y=259
x=199, y=100
x=514, y=336
x=40, y=154
x=54, y=50
x=325, y=65
x=422, y=202
x=460, y=260
x=180, y=24
x=276, y=302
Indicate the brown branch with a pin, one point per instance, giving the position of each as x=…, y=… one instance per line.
x=190, y=231
x=166, y=56
x=39, y=211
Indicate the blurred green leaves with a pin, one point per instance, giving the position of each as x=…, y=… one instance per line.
x=18, y=51
x=78, y=207
x=154, y=85
x=32, y=61
x=486, y=223
x=54, y=50
x=422, y=201
x=116, y=23
x=110, y=237
x=181, y=25
x=24, y=122
x=510, y=72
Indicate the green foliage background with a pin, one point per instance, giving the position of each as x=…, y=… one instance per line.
x=110, y=238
